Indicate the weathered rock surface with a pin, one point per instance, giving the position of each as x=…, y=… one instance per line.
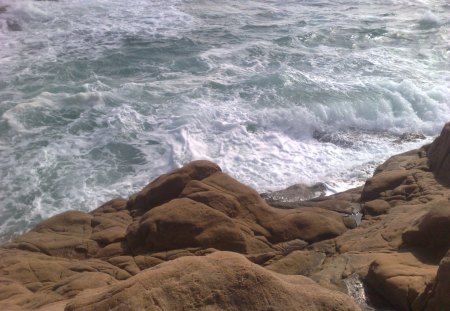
x=196, y=238
x=439, y=155
x=191, y=212
x=219, y=281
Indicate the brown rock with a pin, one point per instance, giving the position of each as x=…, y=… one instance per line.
x=376, y=207
x=431, y=230
x=440, y=298
x=439, y=155
x=381, y=182
x=220, y=281
x=64, y=235
x=161, y=248
x=169, y=186
x=298, y=262
x=69, y=287
x=278, y=225
x=183, y=223
x=402, y=279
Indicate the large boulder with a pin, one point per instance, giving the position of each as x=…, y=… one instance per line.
x=169, y=186
x=402, y=279
x=183, y=223
x=220, y=281
x=432, y=230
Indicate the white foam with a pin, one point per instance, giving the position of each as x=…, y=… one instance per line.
x=256, y=106
x=429, y=20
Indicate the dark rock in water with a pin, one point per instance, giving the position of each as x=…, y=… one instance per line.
x=3, y=8
x=13, y=25
x=333, y=138
x=409, y=137
x=296, y=193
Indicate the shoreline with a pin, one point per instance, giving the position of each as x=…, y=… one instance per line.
x=214, y=243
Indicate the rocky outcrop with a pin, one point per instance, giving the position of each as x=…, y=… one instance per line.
x=195, y=238
x=439, y=155
x=191, y=212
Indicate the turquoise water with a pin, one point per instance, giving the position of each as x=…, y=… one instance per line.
x=99, y=97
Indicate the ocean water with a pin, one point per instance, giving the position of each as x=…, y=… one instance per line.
x=98, y=97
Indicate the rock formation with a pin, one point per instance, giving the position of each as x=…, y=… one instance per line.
x=196, y=238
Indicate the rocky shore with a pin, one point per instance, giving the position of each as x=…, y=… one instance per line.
x=196, y=239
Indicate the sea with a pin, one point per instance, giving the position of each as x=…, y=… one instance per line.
x=99, y=97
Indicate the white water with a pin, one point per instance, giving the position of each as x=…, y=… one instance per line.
x=99, y=97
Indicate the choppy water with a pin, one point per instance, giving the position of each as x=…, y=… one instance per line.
x=97, y=97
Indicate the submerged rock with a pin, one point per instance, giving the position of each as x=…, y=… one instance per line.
x=13, y=25
x=296, y=193
x=3, y=8
x=409, y=137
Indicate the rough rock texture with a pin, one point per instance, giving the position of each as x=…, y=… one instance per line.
x=195, y=238
x=440, y=298
x=219, y=281
x=127, y=249
x=439, y=155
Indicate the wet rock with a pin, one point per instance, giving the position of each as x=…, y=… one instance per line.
x=409, y=137
x=13, y=25
x=296, y=193
x=333, y=138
